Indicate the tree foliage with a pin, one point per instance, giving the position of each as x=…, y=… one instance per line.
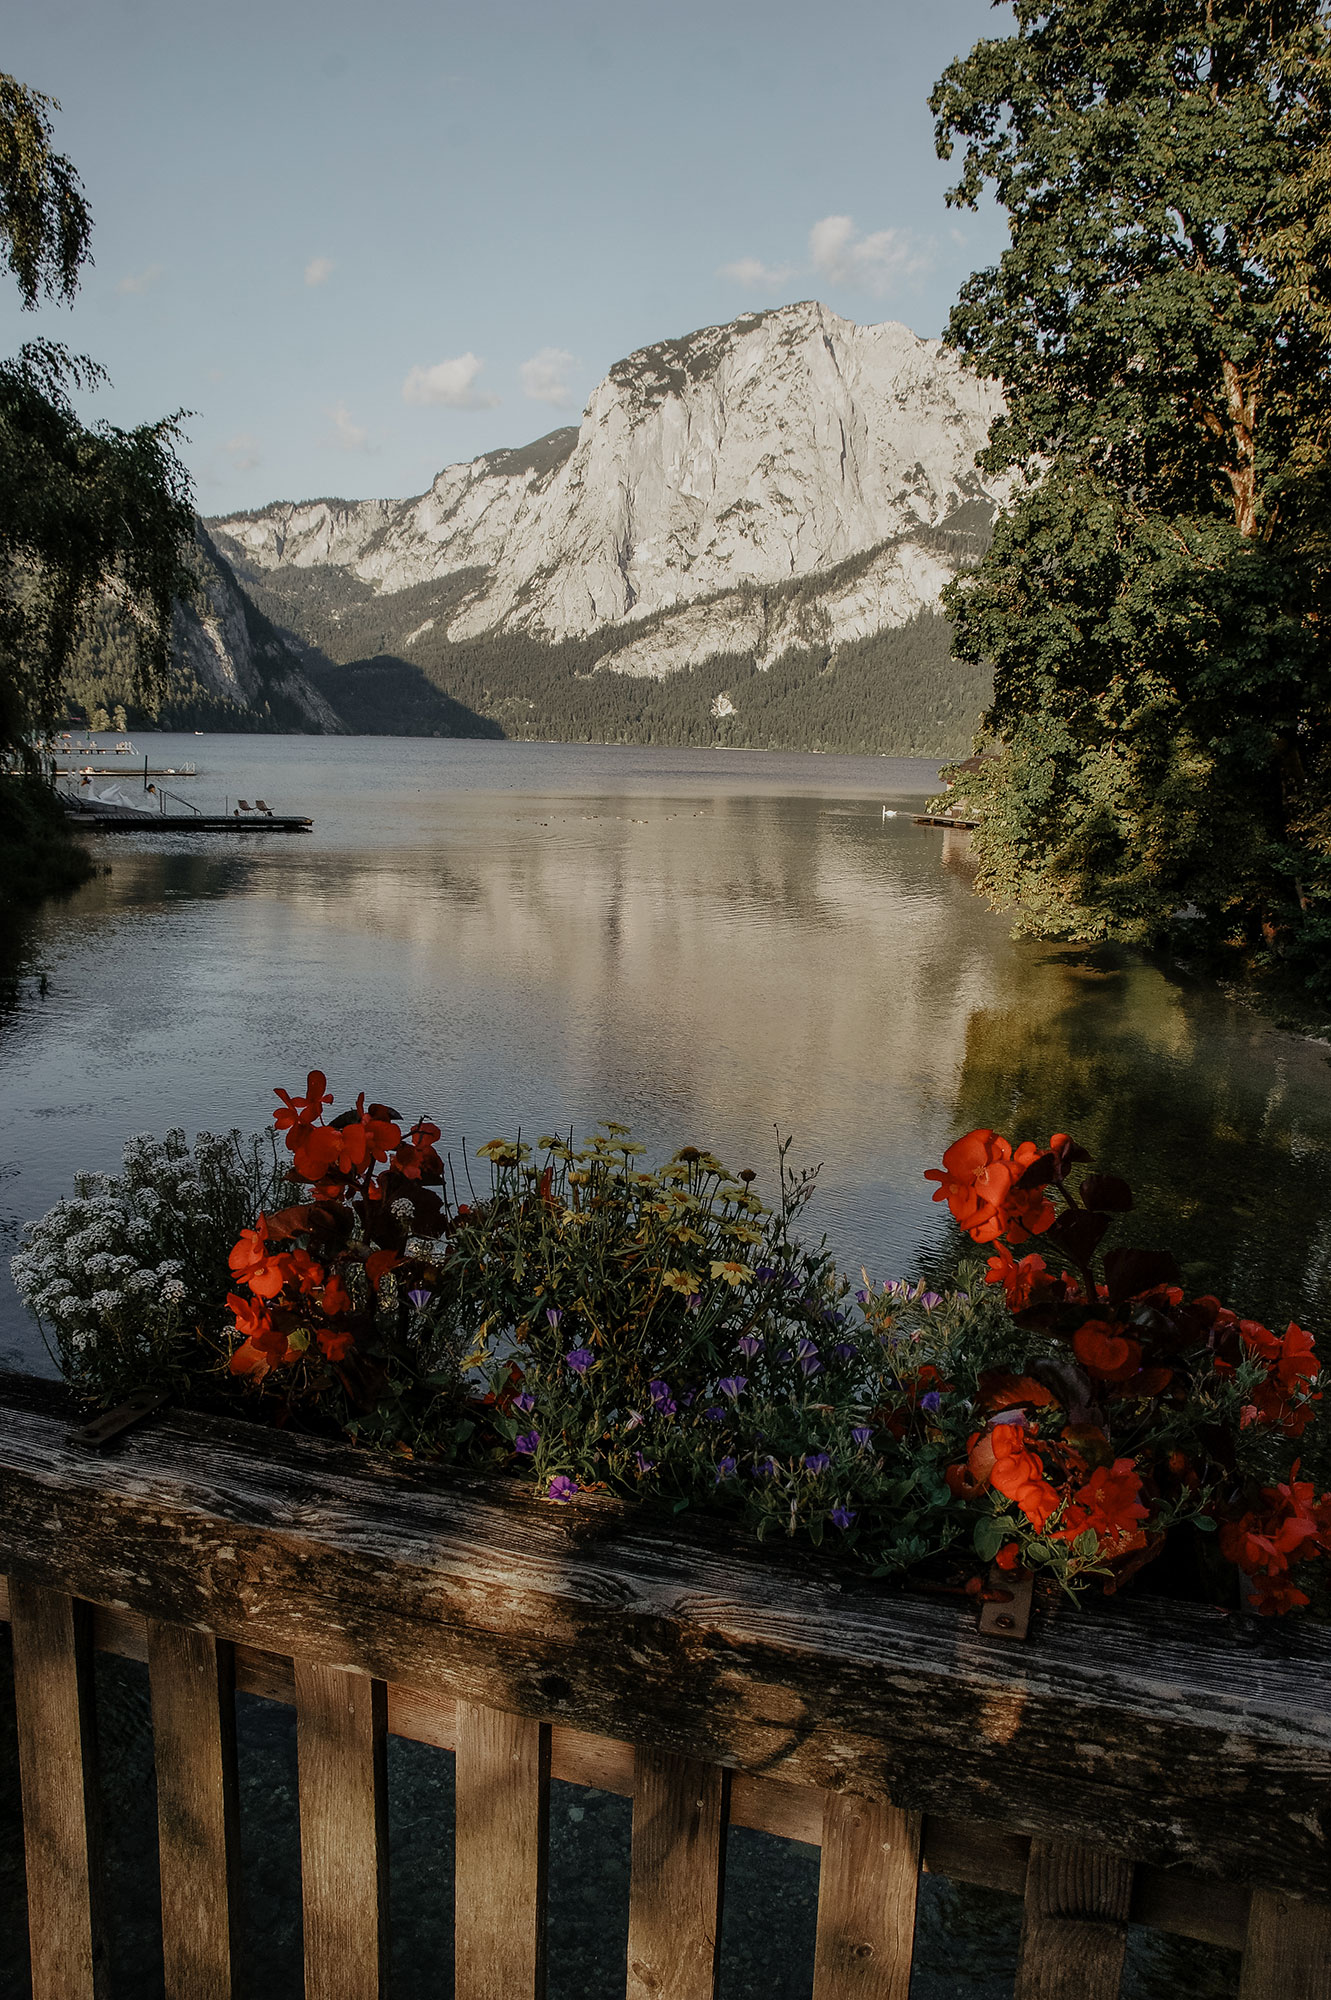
x=44, y=220
x=84, y=511
x=1154, y=602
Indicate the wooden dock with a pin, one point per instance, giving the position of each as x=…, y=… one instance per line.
x=127, y=819
x=945, y=819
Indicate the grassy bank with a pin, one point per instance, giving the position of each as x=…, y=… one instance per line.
x=39, y=853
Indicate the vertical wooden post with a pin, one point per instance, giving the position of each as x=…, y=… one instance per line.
x=57, y=1748
x=1075, y=1928
x=502, y=1839
x=341, y=1736
x=1287, y=1955
x=680, y=1809
x=867, y=1886
x=194, y=1750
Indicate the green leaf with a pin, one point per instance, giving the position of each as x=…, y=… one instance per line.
x=1204, y=1522
x=990, y=1535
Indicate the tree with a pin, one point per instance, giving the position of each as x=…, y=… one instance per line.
x=84, y=511
x=1155, y=600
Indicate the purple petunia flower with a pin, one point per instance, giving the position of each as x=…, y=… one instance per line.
x=688, y=1397
x=764, y=1468
x=809, y=1360
x=861, y=1435
x=644, y=1464
x=526, y=1401
x=932, y=1401
x=844, y=1350
x=715, y=1414
x=764, y=1274
x=962, y=1298
x=693, y=1303
x=561, y=1487
x=527, y=1441
x=863, y=1298
x=834, y=1318
x=554, y=1315
x=750, y=1344
x=816, y=1461
x=733, y=1385
x=725, y=1469
x=929, y=1300
x=635, y=1418
x=662, y=1400
x=420, y=1297
x=843, y=1516
x=580, y=1360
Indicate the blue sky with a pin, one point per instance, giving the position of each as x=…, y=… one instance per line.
x=360, y=242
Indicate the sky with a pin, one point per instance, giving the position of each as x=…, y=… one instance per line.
x=359, y=242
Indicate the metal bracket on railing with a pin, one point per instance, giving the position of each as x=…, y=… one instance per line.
x=1005, y=1609
x=112, y=1425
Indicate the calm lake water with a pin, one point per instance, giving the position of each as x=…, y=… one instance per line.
x=703, y=945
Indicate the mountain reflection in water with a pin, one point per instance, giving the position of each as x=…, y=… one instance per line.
x=704, y=945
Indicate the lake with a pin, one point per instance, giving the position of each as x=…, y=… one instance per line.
x=708, y=946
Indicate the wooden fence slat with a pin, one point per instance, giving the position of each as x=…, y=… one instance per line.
x=194, y=1751
x=1288, y=1952
x=680, y=1810
x=1075, y=1925
x=867, y=1887
x=57, y=1748
x=502, y=1778
x=341, y=1739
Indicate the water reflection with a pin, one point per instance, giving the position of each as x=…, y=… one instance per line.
x=703, y=946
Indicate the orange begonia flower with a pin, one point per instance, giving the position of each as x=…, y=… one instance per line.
x=1104, y=1353
x=377, y=1263
x=302, y=1110
x=978, y=1182
x=250, y=1250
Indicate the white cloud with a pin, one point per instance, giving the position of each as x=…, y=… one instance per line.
x=319, y=270
x=544, y=377
x=243, y=451
x=449, y=383
x=875, y=262
x=348, y=435
x=140, y=281
x=751, y=272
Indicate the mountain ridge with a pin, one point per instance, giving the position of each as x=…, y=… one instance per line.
x=775, y=489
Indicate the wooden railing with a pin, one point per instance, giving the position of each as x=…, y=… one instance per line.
x=1144, y=1763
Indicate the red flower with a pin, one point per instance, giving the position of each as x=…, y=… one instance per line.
x=377, y=1263
x=1110, y=1502
x=251, y=1251
x=1024, y=1282
x=334, y=1341
x=1105, y=1353
x=303, y=1110
x=978, y=1181
x=336, y=1298
x=1015, y=1471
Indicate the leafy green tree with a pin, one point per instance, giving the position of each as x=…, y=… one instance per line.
x=1155, y=600
x=84, y=511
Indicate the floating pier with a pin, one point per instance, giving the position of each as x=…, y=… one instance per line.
x=128, y=819
x=944, y=819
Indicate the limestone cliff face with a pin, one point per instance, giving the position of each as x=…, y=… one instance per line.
x=705, y=472
x=232, y=654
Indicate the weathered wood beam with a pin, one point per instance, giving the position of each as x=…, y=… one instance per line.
x=57, y=1754
x=198, y=1835
x=867, y=1888
x=502, y=1793
x=1146, y=1729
